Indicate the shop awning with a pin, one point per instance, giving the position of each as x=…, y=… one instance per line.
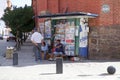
x=68, y=15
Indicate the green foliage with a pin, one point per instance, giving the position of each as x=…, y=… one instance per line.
x=19, y=19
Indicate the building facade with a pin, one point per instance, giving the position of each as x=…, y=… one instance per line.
x=104, y=32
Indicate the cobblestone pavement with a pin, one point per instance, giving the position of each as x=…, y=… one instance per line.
x=28, y=69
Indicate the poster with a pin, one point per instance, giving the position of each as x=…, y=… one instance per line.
x=41, y=27
x=83, y=39
x=47, y=29
x=66, y=33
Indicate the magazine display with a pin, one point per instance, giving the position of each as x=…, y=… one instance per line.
x=66, y=33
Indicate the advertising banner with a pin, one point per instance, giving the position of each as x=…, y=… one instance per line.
x=83, y=38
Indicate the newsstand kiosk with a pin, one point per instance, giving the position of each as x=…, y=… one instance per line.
x=72, y=29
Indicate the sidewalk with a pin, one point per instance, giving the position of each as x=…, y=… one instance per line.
x=28, y=69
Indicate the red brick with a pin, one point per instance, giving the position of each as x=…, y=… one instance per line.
x=92, y=6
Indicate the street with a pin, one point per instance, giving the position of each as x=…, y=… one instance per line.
x=29, y=69
x=71, y=71
x=4, y=44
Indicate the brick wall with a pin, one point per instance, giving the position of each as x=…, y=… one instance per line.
x=116, y=11
x=112, y=17
x=53, y=6
x=61, y=6
x=80, y=5
x=94, y=6
x=106, y=18
x=104, y=42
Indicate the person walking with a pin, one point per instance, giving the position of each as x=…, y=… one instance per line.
x=37, y=39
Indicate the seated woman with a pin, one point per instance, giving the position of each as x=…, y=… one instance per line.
x=44, y=49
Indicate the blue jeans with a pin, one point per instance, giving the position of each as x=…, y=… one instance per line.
x=58, y=53
x=37, y=50
x=45, y=52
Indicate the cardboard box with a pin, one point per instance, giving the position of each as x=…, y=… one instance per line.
x=9, y=53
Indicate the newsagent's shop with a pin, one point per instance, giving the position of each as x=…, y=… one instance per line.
x=73, y=33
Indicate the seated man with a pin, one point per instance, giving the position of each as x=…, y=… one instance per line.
x=59, y=48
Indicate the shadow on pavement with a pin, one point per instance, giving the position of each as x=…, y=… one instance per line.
x=104, y=74
x=48, y=74
x=84, y=75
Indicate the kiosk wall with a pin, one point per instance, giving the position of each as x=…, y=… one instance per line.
x=73, y=33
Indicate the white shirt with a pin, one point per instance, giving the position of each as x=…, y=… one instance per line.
x=36, y=37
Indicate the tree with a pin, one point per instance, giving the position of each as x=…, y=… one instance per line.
x=19, y=19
